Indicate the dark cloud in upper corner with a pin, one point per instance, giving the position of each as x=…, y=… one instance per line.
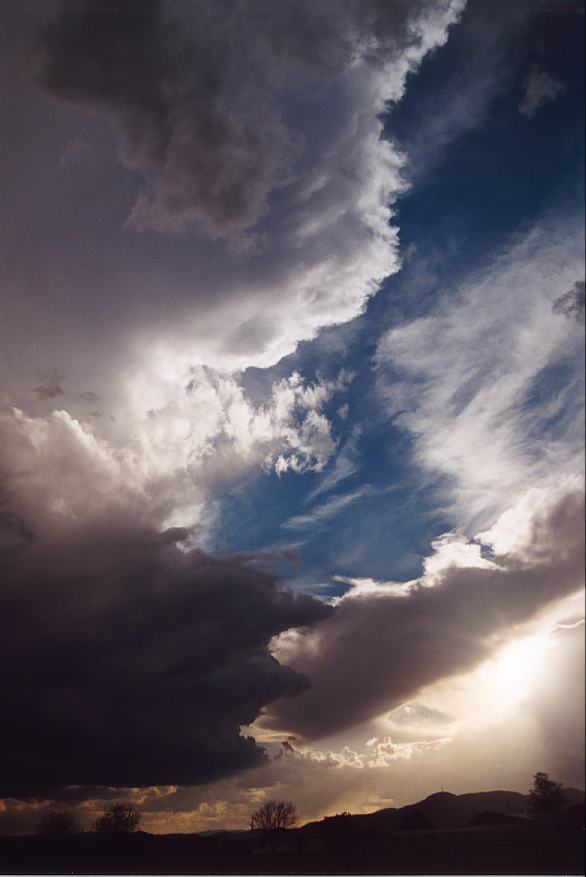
x=572, y=302
x=194, y=89
x=126, y=662
x=162, y=78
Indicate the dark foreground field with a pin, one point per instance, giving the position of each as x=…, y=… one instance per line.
x=535, y=848
x=476, y=833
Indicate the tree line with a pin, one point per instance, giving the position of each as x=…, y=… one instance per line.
x=547, y=798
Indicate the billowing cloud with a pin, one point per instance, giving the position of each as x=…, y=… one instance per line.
x=241, y=193
x=163, y=79
x=171, y=76
x=380, y=647
x=493, y=716
x=193, y=189
x=65, y=472
x=218, y=190
x=126, y=662
x=131, y=671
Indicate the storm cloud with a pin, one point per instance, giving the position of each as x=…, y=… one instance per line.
x=127, y=662
x=191, y=190
x=214, y=166
x=213, y=151
x=383, y=644
x=233, y=193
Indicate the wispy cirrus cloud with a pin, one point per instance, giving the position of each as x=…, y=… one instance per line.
x=329, y=509
x=345, y=465
x=474, y=382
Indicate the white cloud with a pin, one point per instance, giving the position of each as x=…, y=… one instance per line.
x=386, y=751
x=329, y=509
x=159, y=469
x=345, y=464
x=359, y=587
x=464, y=381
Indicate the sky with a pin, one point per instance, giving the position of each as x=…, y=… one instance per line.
x=292, y=410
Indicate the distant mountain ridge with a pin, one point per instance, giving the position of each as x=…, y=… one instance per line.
x=446, y=810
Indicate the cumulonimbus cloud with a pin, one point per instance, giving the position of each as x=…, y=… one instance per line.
x=127, y=662
x=249, y=202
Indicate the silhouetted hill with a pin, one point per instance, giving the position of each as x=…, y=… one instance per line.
x=443, y=810
x=479, y=833
x=440, y=810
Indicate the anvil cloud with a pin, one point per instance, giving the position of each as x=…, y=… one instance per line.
x=290, y=422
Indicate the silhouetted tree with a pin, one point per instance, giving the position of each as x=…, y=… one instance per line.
x=120, y=818
x=272, y=819
x=57, y=823
x=274, y=815
x=546, y=795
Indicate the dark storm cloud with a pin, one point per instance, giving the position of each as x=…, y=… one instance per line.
x=125, y=662
x=377, y=650
x=572, y=302
x=213, y=167
x=211, y=150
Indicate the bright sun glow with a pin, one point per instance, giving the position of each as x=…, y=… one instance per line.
x=516, y=668
x=494, y=690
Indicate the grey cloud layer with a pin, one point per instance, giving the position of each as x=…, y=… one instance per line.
x=471, y=380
